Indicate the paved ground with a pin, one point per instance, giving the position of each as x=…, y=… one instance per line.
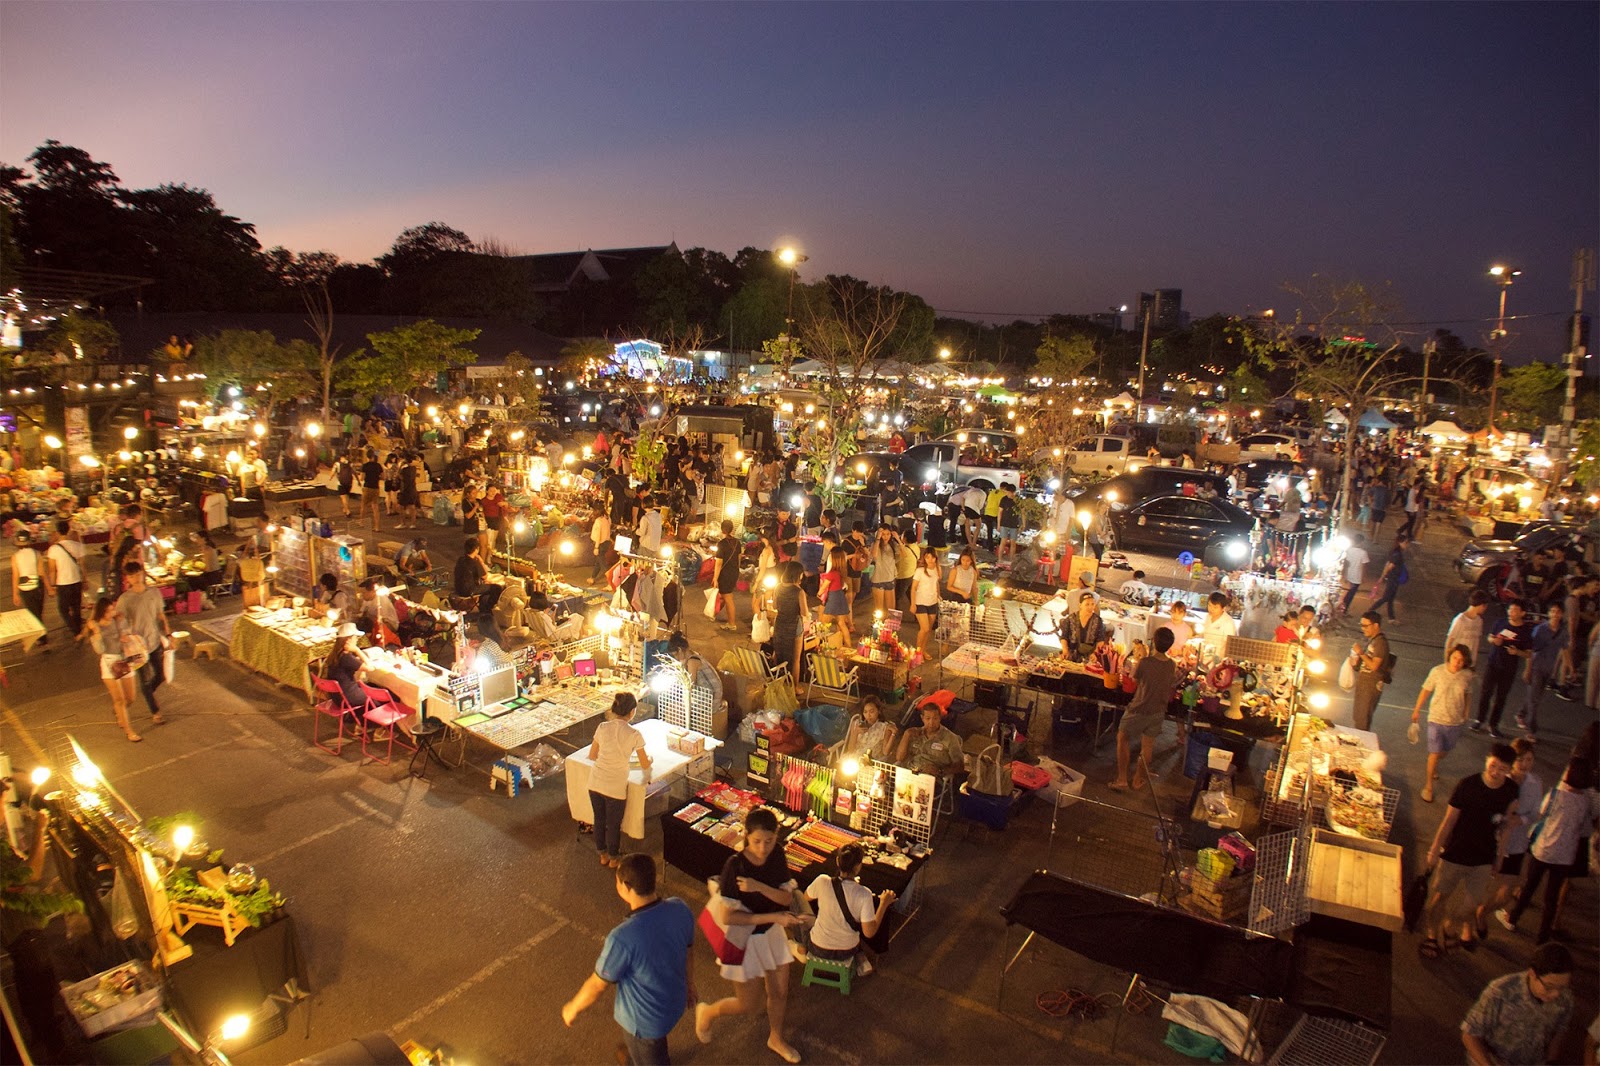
x=441, y=911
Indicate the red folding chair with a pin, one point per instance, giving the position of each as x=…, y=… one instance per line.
x=333, y=705
x=382, y=712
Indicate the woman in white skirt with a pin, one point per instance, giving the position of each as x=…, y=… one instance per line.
x=758, y=879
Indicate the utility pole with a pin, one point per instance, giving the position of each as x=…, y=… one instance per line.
x=1582, y=278
x=1502, y=277
x=1428, y=348
x=1144, y=352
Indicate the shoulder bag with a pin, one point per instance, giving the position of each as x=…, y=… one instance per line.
x=844, y=907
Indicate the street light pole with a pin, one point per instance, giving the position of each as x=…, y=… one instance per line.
x=1582, y=278
x=1428, y=348
x=1144, y=351
x=1503, y=276
x=792, y=259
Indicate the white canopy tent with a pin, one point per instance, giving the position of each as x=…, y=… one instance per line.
x=1444, y=430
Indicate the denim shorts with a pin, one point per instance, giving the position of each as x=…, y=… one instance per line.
x=1009, y=532
x=837, y=603
x=1442, y=738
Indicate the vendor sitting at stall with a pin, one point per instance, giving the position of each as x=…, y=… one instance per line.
x=846, y=914
x=345, y=667
x=259, y=544
x=203, y=548
x=702, y=675
x=1083, y=629
x=932, y=748
x=327, y=597
x=412, y=558
x=376, y=607
x=869, y=735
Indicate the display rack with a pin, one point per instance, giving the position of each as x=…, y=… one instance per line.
x=343, y=556
x=1279, y=900
x=699, y=714
x=291, y=555
x=1316, y=1040
x=726, y=502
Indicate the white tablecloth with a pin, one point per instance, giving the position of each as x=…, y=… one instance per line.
x=665, y=764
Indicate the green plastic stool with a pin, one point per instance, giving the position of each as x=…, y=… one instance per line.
x=829, y=973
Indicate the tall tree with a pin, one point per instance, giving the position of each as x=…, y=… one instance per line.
x=1531, y=396
x=310, y=274
x=1342, y=347
x=1064, y=358
x=259, y=366
x=410, y=357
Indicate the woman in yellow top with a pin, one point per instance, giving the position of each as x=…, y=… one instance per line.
x=991, y=515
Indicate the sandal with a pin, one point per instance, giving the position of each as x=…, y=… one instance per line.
x=134, y=738
x=1429, y=948
x=1427, y=794
x=156, y=719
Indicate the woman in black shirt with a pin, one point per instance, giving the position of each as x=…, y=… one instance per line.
x=757, y=889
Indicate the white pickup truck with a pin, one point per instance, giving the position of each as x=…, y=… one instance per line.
x=1103, y=454
x=939, y=465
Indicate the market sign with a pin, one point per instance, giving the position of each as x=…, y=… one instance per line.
x=79, y=440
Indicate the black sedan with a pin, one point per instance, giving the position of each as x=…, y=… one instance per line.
x=1214, y=531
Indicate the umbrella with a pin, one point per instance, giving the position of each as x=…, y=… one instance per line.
x=1373, y=419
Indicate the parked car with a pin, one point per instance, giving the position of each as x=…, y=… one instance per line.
x=1125, y=490
x=1267, y=446
x=946, y=465
x=1263, y=482
x=1000, y=440
x=1480, y=558
x=1103, y=453
x=1214, y=531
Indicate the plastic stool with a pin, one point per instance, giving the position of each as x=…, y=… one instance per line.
x=181, y=640
x=828, y=972
x=207, y=649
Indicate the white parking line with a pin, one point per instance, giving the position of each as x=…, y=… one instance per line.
x=481, y=976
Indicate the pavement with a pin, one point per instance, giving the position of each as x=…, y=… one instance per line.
x=441, y=911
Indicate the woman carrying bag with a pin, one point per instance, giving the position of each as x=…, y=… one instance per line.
x=104, y=632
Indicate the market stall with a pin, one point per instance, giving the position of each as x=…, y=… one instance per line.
x=282, y=643
x=224, y=956
x=676, y=755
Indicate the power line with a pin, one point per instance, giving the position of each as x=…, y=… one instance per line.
x=1427, y=322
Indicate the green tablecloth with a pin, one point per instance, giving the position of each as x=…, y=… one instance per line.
x=278, y=656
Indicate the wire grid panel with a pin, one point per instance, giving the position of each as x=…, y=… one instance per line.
x=1261, y=652
x=1278, y=898
x=955, y=622
x=1110, y=847
x=699, y=715
x=726, y=502
x=1315, y=1041
x=881, y=818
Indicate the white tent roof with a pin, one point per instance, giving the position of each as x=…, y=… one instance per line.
x=1373, y=418
x=1442, y=428
x=1122, y=399
x=1336, y=417
x=807, y=366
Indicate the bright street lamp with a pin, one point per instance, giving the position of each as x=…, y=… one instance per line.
x=791, y=258
x=1503, y=277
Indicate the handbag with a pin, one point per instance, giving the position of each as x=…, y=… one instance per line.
x=727, y=941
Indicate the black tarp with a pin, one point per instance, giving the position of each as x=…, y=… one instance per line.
x=1184, y=952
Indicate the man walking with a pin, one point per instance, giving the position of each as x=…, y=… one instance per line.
x=371, y=488
x=144, y=613
x=1394, y=575
x=1511, y=644
x=1355, y=570
x=65, y=559
x=648, y=960
x=1522, y=1017
x=1464, y=848
x=1550, y=651
x=1467, y=627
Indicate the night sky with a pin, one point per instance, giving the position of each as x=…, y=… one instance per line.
x=1004, y=159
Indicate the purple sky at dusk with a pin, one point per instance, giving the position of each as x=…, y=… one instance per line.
x=1010, y=159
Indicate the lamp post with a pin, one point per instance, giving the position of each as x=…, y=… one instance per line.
x=1144, y=351
x=1503, y=277
x=792, y=258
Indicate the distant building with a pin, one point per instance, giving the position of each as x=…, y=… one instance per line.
x=1168, y=309
x=559, y=272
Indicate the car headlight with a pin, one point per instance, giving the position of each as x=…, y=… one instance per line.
x=1236, y=550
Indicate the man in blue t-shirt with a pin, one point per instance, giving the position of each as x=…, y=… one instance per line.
x=648, y=959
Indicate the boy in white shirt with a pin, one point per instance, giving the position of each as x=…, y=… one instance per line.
x=1467, y=627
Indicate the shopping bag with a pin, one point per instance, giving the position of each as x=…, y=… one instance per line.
x=780, y=695
x=710, y=609
x=1347, y=676
x=727, y=941
x=1414, y=733
x=1416, y=895
x=761, y=628
x=169, y=664
x=134, y=652
x=990, y=774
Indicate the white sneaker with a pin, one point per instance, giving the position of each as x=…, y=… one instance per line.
x=864, y=968
x=1505, y=919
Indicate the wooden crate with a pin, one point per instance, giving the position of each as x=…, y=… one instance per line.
x=1226, y=900
x=1356, y=879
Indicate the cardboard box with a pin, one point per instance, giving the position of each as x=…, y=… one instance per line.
x=744, y=694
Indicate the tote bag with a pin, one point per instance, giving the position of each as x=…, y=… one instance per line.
x=727, y=941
